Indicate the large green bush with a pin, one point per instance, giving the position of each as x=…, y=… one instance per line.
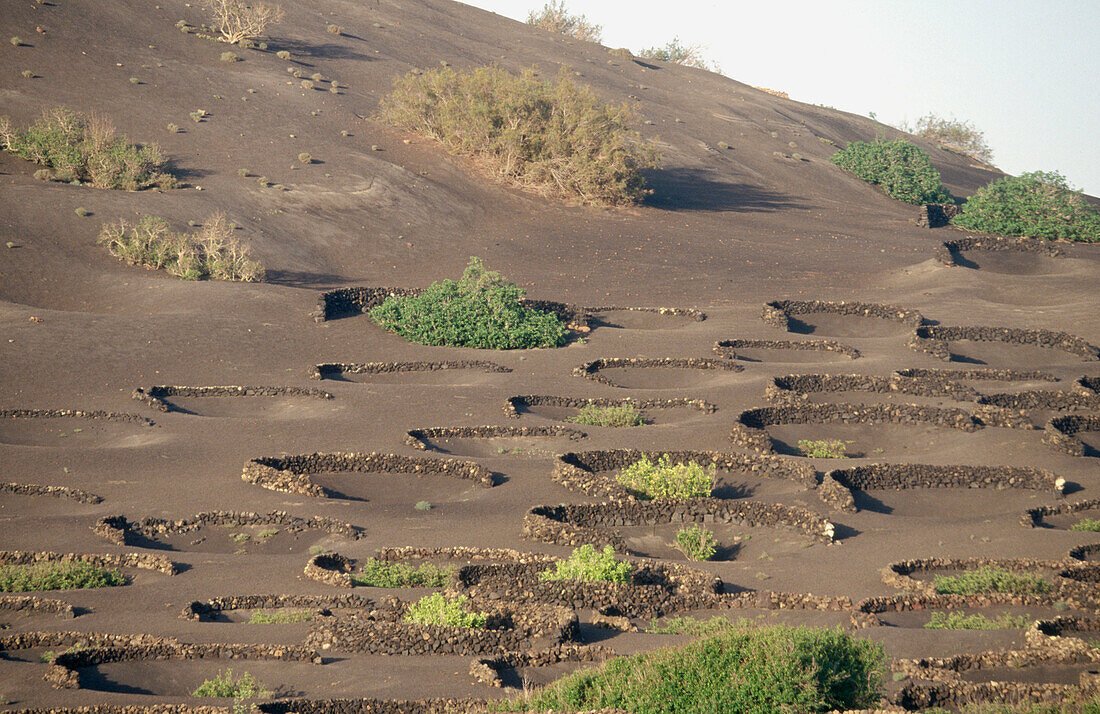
x=1037, y=204
x=590, y=565
x=664, y=479
x=745, y=670
x=900, y=168
x=435, y=609
x=481, y=310
x=73, y=147
x=380, y=574
x=552, y=137
x=57, y=576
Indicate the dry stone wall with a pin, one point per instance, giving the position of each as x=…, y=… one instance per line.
x=949, y=251
x=121, y=531
x=144, y=561
x=30, y=489
x=778, y=312
x=729, y=348
x=328, y=370
x=157, y=397
x=1060, y=432
x=591, y=370
x=419, y=438
x=513, y=406
x=936, y=339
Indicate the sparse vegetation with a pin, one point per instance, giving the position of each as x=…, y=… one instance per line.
x=380, y=574
x=696, y=542
x=57, y=576
x=307, y=84
x=224, y=685
x=664, y=479
x=953, y=134
x=613, y=416
x=692, y=626
x=554, y=17
x=27, y=74
x=956, y=620
x=76, y=148
x=435, y=609
x=481, y=310
x=678, y=53
x=81, y=211
x=305, y=158
x=211, y=252
x=1037, y=204
x=279, y=617
x=823, y=449
x=422, y=506
x=238, y=20
x=990, y=579
x=335, y=30
x=1087, y=525
x=1079, y=703
x=590, y=565
x=748, y=670
x=230, y=57
x=900, y=168
x=15, y=41
x=551, y=137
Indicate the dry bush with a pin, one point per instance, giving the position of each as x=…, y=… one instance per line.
x=678, y=53
x=555, y=18
x=954, y=135
x=237, y=20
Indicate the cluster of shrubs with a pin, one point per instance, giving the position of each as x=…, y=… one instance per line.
x=380, y=574
x=480, y=310
x=85, y=149
x=225, y=685
x=900, y=168
x=1037, y=204
x=436, y=609
x=823, y=448
x=210, y=252
x=664, y=479
x=57, y=576
x=554, y=138
x=590, y=565
x=956, y=620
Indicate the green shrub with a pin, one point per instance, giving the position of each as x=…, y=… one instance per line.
x=745, y=670
x=1037, y=204
x=57, y=576
x=665, y=479
x=900, y=168
x=230, y=57
x=989, y=579
x=691, y=626
x=960, y=136
x=210, y=252
x=555, y=18
x=961, y=621
x=480, y=310
x=613, y=416
x=696, y=542
x=552, y=137
x=590, y=565
x=305, y=158
x=1088, y=525
x=279, y=617
x=678, y=53
x=223, y=685
x=380, y=574
x=435, y=609
x=78, y=148
x=824, y=449
x=423, y=505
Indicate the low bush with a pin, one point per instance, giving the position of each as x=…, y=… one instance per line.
x=550, y=137
x=664, y=479
x=823, y=449
x=613, y=416
x=481, y=310
x=900, y=168
x=961, y=621
x=380, y=574
x=989, y=579
x=210, y=252
x=960, y=136
x=745, y=670
x=57, y=576
x=1087, y=525
x=590, y=565
x=1037, y=204
x=86, y=149
x=696, y=542
x=554, y=17
x=279, y=617
x=223, y=685
x=435, y=609
x=691, y=626
x=678, y=53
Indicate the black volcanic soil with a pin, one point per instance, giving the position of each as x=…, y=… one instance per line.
x=724, y=231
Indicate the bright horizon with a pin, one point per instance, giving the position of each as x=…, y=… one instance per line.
x=1026, y=74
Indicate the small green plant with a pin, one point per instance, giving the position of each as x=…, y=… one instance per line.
x=990, y=579
x=1037, y=204
x=380, y=574
x=279, y=617
x=74, y=147
x=956, y=620
x=224, y=685
x=307, y=84
x=197, y=116
x=613, y=416
x=81, y=211
x=481, y=310
x=900, y=168
x=15, y=41
x=27, y=74
x=211, y=252
x=317, y=77
x=696, y=542
x=305, y=158
x=678, y=53
x=57, y=576
x=590, y=565
x=135, y=80
x=823, y=449
x=422, y=506
x=692, y=626
x=230, y=57
x=664, y=479
x=283, y=55
x=554, y=17
x=435, y=609
x=1087, y=525
x=267, y=533
x=240, y=537
x=953, y=134
x=335, y=30
x=243, y=173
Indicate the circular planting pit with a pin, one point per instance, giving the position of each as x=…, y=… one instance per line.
x=1010, y=256
x=780, y=351
x=456, y=373
x=841, y=319
x=68, y=428
x=642, y=318
x=59, y=492
x=866, y=389
x=179, y=678
x=653, y=411
x=991, y=345
x=490, y=441
x=224, y=532
x=234, y=401
x=239, y=608
x=667, y=373
x=1074, y=434
x=1064, y=515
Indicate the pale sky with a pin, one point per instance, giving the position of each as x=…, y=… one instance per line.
x=1026, y=73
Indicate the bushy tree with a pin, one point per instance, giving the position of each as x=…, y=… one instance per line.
x=554, y=17
x=900, y=168
x=1038, y=204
